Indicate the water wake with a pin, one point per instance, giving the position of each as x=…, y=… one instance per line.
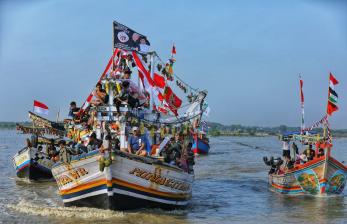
x=66, y=212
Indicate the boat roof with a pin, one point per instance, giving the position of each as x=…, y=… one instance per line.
x=291, y=133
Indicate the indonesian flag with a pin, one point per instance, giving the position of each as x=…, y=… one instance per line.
x=40, y=108
x=332, y=98
x=173, y=51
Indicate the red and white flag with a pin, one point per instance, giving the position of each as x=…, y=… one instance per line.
x=173, y=51
x=40, y=108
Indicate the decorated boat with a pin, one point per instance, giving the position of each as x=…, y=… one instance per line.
x=32, y=162
x=109, y=174
x=314, y=171
x=30, y=166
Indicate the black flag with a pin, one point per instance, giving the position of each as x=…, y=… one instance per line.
x=127, y=39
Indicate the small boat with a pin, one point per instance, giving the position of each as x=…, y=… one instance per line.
x=314, y=171
x=30, y=166
x=322, y=175
x=200, y=144
x=30, y=162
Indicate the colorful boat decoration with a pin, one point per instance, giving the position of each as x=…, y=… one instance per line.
x=109, y=174
x=29, y=166
x=201, y=144
x=314, y=171
x=321, y=175
x=32, y=162
x=130, y=182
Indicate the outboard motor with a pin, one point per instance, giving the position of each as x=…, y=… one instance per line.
x=274, y=163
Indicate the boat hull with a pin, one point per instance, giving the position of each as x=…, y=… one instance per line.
x=26, y=167
x=321, y=176
x=128, y=183
x=200, y=146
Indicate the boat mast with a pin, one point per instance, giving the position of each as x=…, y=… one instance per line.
x=302, y=106
x=151, y=54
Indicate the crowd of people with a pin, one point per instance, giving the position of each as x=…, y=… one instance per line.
x=88, y=132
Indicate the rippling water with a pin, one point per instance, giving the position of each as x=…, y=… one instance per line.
x=230, y=187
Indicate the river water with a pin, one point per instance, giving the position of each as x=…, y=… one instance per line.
x=230, y=187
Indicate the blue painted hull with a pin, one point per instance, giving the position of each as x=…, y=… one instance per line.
x=200, y=146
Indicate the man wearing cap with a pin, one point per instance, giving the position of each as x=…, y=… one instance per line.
x=136, y=143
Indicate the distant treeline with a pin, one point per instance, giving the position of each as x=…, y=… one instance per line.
x=217, y=129
x=12, y=125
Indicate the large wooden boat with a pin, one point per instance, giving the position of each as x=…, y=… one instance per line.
x=111, y=177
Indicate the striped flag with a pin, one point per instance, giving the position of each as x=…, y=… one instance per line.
x=332, y=97
x=40, y=108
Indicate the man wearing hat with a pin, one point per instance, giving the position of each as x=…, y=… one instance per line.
x=136, y=142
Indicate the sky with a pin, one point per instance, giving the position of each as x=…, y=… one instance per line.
x=247, y=54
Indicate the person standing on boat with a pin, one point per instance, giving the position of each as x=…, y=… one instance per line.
x=93, y=142
x=309, y=152
x=136, y=143
x=64, y=154
x=51, y=150
x=172, y=154
x=286, y=150
x=73, y=110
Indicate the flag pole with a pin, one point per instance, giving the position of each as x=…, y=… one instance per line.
x=151, y=75
x=327, y=122
x=302, y=105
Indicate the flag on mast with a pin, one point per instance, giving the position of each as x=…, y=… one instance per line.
x=332, y=96
x=173, y=51
x=40, y=108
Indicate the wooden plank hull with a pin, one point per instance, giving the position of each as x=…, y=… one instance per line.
x=322, y=176
x=128, y=183
x=26, y=167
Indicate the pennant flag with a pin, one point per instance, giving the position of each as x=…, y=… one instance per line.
x=127, y=39
x=40, y=108
x=332, y=97
x=333, y=80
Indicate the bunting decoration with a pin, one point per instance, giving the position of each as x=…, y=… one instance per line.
x=181, y=86
x=317, y=124
x=332, y=97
